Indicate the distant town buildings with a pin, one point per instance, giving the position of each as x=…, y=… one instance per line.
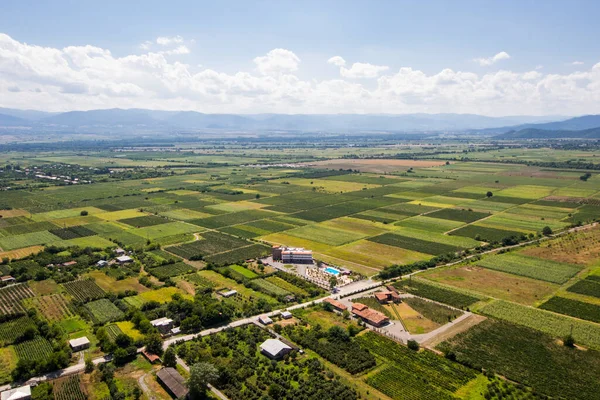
x=292, y=255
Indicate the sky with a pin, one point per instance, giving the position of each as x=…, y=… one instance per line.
x=493, y=58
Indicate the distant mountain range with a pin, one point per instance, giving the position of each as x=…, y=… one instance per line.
x=140, y=120
x=586, y=127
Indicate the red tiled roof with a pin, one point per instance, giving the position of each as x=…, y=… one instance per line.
x=359, y=307
x=382, y=295
x=335, y=303
x=151, y=357
x=372, y=316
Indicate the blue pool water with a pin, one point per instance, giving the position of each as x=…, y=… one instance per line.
x=332, y=271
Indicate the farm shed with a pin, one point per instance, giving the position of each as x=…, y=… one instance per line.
x=173, y=382
x=163, y=324
x=229, y=293
x=119, y=251
x=265, y=320
x=7, y=279
x=124, y=259
x=19, y=393
x=274, y=349
x=286, y=315
x=102, y=263
x=79, y=343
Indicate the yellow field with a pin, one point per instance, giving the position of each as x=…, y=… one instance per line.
x=327, y=185
x=361, y=226
x=110, y=284
x=127, y=328
x=375, y=254
x=75, y=221
x=66, y=213
x=288, y=240
x=184, y=214
x=414, y=322
x=13, y=213
x=123, y=214
x=237, y=206
x=20, y=253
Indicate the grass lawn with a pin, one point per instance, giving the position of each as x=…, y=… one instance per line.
x=168, y=229
x=375, y=255
x=413, y=321
x=8, y=362
x=42, y=288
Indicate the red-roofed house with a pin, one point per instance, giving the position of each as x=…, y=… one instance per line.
x=336, y=304
x=368, y=315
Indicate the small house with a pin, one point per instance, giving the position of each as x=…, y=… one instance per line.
x=368, y=315
x=164, y=324
x=69, y=263
x=173, y=382
x=119, y=251
x=102, y=263
x=124, y=259
x=18, y=393
x=337, y=305
x=265, y=320
x=7, y=279
x=228, y=293
x=152, y=358
x=274, y=349
x=79, y=344
x=286, y=315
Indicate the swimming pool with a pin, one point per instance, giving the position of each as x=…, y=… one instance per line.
x=332, y=271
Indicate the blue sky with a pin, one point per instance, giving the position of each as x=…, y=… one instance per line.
x=224, y=38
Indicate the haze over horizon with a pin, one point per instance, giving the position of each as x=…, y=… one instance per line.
x=309, y=58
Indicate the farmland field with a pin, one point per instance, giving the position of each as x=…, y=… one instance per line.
x=13, y=329
x=162, y=295
x=529, y=357
x=53, y=307
x=34, y=350
x=69, y=388
x=590, y=286
x=11, y=296
x=103, y=311
x=414, y=244
x=585, y=333
x=493, y=283
x=84, y=290
x=536, y=268
x=573, y=308
x=430, y=291
x=412, y=375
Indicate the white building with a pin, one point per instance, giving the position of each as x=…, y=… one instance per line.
x=19, y=393
x=229, y=293
x=79, y=343
x=164, y=324
x=274, y=348
x=265, y=320
x=124, y=259
x=286, y=315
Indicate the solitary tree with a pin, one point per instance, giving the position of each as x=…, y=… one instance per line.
x=547, y=231
x=333, y=282
x=170, y=358
x=201, y=374
x=154, y=344
x=83, y=213
x=489, y=194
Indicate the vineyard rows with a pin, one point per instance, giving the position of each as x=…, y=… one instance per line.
x=69, y=388
x=11, y=296
x=53, y=307
x=84, y=290
x=34, y=350
x=11, y=330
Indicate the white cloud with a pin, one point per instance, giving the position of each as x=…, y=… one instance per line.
x=484, y=62
x=577, y=63
x=146, y=45
x=169, y=40
x=538, y=67
x=88, y=77
x=363, y=70
x=337, y=61
x=277, y=61
x=182, y=49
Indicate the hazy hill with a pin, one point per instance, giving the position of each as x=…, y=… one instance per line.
x=571, y=124
x=532, y=133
